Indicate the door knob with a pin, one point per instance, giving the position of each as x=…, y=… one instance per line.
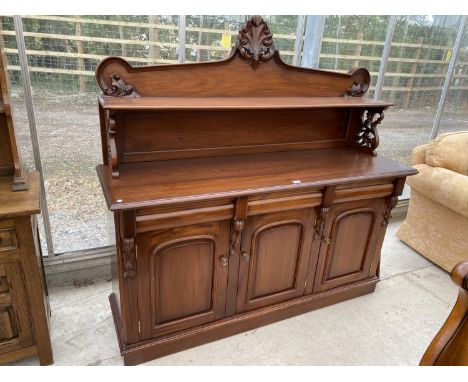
x=245, y=256
x=224, y=260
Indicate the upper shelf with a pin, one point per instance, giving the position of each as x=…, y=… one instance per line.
x=226, y=103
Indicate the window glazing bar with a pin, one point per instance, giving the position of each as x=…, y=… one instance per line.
x=299, y=40
x=385, y=54
x=181, y=52
x=313, y=41
x=448, y=78
x=23, y=60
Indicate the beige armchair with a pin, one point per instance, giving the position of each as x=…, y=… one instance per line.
x=437, y=222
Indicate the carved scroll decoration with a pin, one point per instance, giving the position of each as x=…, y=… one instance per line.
x=320, y=223
x=237, y=227
x=391, y=203
x=355, y=90
x=111, y=146
x=129, y=258
x=119, y=88
x=255, y=42
x=366, y=136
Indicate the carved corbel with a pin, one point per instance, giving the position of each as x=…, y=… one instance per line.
x=367, y=137
x=112, y=146
x=128, y=250
x=129, y=258
x=391, y=203
x=119, y=87
x=328, y=196
x=320, y=223
x=255, y=42
x=237, y=227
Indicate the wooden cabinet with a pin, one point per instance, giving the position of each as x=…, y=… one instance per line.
x=244, y=191
x=24, y=307
x=23, y=294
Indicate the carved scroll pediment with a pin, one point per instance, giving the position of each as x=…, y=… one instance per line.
x=255, y=42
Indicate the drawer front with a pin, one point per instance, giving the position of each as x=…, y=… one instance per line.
x=15, y=326
x=8, y=241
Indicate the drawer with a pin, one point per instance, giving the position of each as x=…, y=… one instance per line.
x=15, y=325
x=8, y=239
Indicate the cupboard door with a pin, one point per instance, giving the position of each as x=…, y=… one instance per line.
x=183, y=279
x=275, y=251
x=350, y=243
x=15, y=326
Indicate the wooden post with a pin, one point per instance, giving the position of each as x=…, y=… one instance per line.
x=357, y=49
x=414, y=68
x=2, y=42
x=203, y=55
x=123, y=47
x=199, y=41
x=81, y=65
x=153, y=37
x=226, y=28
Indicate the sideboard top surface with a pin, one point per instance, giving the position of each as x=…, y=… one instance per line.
x=19, y=203
x=145, y=184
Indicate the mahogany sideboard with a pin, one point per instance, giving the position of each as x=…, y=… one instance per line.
x=244, y=191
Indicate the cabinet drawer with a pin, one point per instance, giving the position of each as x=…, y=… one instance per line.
x=8, y=240
x=8, y=325
x=15, y=326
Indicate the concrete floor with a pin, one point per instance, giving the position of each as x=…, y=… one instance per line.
x=392, y=326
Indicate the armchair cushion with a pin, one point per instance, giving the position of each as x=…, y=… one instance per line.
x=443, y=186
x=449, y=151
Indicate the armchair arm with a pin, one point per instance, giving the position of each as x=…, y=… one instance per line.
x=449, y=347
x=443, y=186
x=418, y=154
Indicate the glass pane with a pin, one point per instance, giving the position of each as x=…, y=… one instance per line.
x=211, y=38
x=353, y=41
x=415, y=75
x=20, y=117
x=455, y=114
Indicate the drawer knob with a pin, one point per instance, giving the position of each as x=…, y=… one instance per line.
x=245, y=256
x=224, y=260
